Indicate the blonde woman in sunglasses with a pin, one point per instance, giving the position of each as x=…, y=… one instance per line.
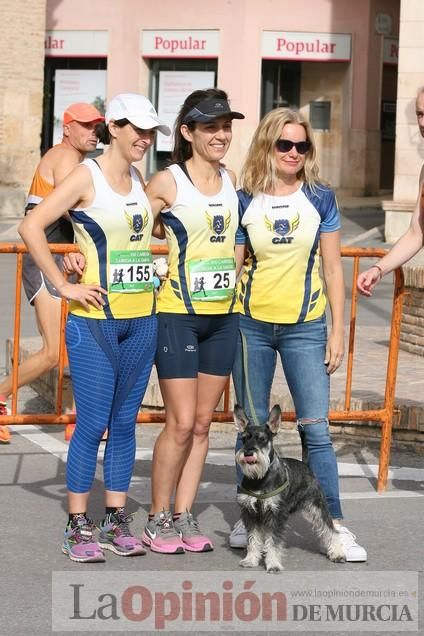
x=289, y=219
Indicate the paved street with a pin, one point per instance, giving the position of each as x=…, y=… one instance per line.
x=33, y=502
x=33, y=497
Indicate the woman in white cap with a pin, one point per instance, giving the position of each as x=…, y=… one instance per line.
x=111, y=331
x=196, y=325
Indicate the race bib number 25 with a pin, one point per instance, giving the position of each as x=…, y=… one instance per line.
x=212, y=279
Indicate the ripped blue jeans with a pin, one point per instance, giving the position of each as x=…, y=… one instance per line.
x=301, y=347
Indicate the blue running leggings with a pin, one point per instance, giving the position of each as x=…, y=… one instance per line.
x=110, y=362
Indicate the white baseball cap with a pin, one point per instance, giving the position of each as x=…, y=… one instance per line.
x=137, y=109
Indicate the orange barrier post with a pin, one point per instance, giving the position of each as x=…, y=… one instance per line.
x=16, y=334
x=383, y=414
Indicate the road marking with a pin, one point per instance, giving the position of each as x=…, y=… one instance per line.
x=374, y=232
x=209, y=491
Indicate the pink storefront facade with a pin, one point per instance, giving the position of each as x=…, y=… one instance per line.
x=334, y=60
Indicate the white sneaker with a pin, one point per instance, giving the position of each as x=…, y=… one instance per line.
x=238, y=536
x=353, y=551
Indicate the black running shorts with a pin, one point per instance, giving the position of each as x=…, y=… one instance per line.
x=189, y=344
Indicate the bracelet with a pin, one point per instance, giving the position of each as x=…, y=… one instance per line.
x=379, y=269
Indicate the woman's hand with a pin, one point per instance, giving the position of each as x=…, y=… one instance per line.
x=368, y=280
x=74, y=263
x=85, y=294
x=335, y=350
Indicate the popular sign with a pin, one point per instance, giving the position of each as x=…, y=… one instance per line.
x=316, y=47
x=390, y=51
x=180, y=43
x=76, y=43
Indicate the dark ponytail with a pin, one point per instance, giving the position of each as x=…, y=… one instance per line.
x=102, y=130
x=182, y=148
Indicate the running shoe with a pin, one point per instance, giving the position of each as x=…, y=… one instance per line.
x=4, y=435
x=189, y=531
x=4, y=430
x=79, y=543
x=115, y=535
x=160, y=535
x=353, y=551
x=238, y=536
x=69, y=431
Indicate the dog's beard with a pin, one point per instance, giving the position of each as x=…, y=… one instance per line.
x=255, y=470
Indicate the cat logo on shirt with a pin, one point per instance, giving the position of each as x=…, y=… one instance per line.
x=283, y=228
x=218, y=225
x=137, y=223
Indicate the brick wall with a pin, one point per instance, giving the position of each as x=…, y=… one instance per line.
x=412, y=326
x=22, y=29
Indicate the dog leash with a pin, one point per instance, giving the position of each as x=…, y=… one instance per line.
x=266, y=495
x=246, y=379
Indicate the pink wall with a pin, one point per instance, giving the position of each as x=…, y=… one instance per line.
x=241, y=23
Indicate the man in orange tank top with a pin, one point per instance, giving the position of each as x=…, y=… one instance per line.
x=79, y=138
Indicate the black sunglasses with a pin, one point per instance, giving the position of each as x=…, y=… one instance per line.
x=285, y=145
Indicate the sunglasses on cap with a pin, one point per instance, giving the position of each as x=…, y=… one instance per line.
x=285, y=145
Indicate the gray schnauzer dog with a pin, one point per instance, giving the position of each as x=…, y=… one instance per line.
x=272, y=489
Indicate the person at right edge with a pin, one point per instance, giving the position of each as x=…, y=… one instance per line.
x=288, y=219
x=409, y=243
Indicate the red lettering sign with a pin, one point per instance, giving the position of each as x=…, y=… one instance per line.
x=53, y=43
x=298, y=46
x=175, y=45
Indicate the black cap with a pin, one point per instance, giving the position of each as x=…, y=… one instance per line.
x=209, y=110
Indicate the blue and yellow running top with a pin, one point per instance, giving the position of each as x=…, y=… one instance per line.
x=281, y=281
x=200, y=231
x=114, y=234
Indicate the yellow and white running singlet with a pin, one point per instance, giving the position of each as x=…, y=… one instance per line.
x=281, y=281
x=200, y=232
x=114, y=234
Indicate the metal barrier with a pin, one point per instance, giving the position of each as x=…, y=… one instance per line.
x=383, y=414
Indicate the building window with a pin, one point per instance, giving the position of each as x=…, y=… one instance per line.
x=280, y=85
x=158, y=159
x=52, y=64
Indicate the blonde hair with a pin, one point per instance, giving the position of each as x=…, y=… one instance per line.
x=259, y=172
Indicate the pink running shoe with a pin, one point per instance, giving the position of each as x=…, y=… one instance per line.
x=115, y=535
x=160, y=535
x=192, y=538
x=79, y=544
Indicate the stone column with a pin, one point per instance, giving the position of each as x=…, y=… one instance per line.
x=22, y=29
x=409, y=155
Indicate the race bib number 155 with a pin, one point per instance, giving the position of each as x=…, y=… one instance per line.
x=130, y=271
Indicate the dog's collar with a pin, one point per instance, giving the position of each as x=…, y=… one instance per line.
x=266, y=495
